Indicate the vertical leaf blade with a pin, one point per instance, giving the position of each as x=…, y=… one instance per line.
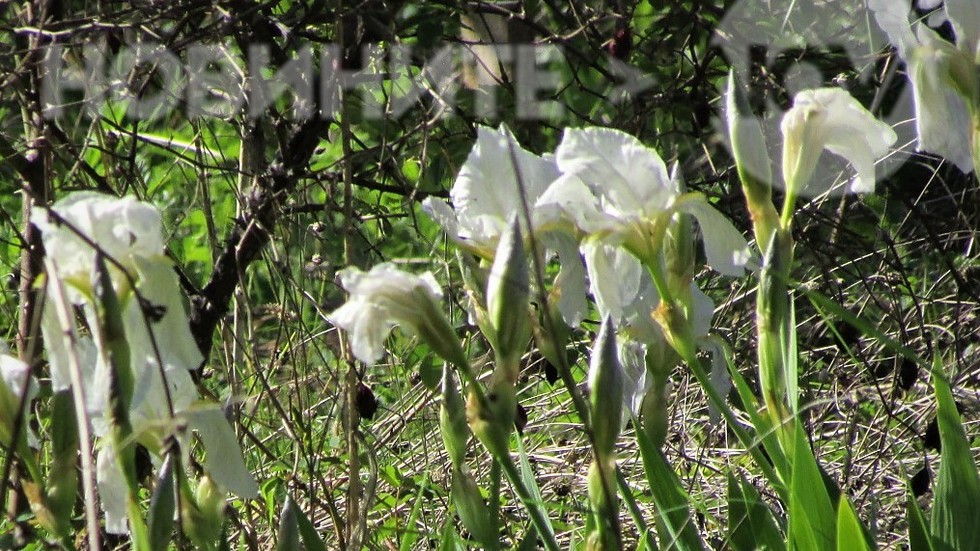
x=955, y=514
x=162, y=506
x=751, y=524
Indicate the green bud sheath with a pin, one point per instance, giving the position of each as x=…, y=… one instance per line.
x=753, y=162
x=63, y=476
x=202, y=515
x=606, y=384
x=493, y=421
x=508, y=289
x=605, y=507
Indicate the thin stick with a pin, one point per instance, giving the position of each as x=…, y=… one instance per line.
x=60, y=304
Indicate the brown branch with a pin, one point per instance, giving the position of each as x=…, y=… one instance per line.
x=251, y=233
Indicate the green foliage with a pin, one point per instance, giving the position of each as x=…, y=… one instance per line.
x=955, y=522
x=674, y=520
x=812, y=522
x=751, y=524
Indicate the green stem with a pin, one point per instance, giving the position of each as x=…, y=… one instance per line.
x=685, y=347
x=789, y=206
x=634, y=509
x=495, y=495
x=538, y=517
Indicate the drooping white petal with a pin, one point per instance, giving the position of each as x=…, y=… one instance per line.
x=149, y=403
x=112, y=490
x=893, y=18
x=964, y=15
x=19, y=388
x=16, y=375
x=638, y=315
x=443, y=214
x=614, y=277
x=941, y=114
x=570, y=282
x=569, y=198
x=703, y=311
x=942, y=117
x=224, y=460
x=368, y=327
x=830, y=118
x=56, y=344
x=720, y=378
x=726, y=250
x=636, y=382
x=158, y=285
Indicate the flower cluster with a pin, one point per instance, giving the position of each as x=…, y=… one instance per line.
x=602, y=204
x=606, y=206
x=162, y=352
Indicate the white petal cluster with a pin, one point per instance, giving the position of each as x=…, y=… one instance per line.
x=495, y=183
x=492, y=186
x=162, y=349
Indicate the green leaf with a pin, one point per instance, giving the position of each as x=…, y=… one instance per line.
x=527, y=476
x=751, y=524
x=287, y=538
x=956, y=510
x=919, y=537
x=162, y=505
x=811, y=511
x=311, y=539
x=450, y=540
x=669, y=498
x=472, y=510
x=850, y=532
x=647, y=540
x=411, y=536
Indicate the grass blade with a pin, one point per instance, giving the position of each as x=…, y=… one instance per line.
x=919, y=535
x=811, y=511
x=955, y=514
x=850, y=532
x=751, y=524
x=670, y=499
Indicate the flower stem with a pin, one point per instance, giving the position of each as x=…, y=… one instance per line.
x=534, y=510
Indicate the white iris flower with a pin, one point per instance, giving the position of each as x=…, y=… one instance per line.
x=943, y=75
x=831, y=119
x=498, y=178
x=130, y=232
x=385, y=297
x=618, y=190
